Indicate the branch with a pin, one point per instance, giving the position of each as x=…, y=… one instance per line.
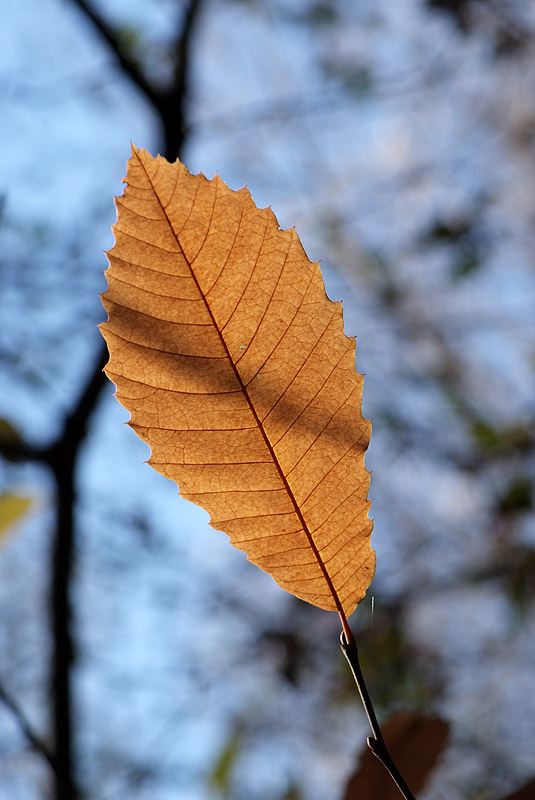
x=61, y=456
x=74, y=428
x=182, y=53
x=172, y=102
x=129, y=65
x=35, y=740
x=168, y=103
x=376, y=743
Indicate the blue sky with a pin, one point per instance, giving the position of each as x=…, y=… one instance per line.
x=362, y=177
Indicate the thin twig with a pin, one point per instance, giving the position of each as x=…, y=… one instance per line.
x=376, y=743
x=36, y=741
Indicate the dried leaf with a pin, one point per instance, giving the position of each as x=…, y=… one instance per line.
x=526, y=792
x=415, y=743
x=236, y=370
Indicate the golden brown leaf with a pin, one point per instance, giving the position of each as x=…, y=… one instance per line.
x=236, y=370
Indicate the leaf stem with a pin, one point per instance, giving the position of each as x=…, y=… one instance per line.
x=376, y=743
x=346, y=630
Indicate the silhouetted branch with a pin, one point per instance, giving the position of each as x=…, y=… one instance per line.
x=173, y=102
x=36, y=741
x=112, y=37
x=61, y=456
x=169, y=102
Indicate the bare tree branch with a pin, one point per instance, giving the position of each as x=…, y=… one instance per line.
x=62, y=455
x=61, y=458
x=169, y=103
x=36, y=741
x=129, y=66
x=173, y=102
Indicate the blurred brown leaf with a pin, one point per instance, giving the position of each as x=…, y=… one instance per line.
x=527, y=792
x=415, y=743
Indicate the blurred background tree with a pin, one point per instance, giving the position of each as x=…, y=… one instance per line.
x=141, y=656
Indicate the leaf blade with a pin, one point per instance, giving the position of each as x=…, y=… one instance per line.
x=218, y=320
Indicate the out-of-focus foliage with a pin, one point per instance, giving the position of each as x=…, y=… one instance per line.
x=225, y=765
x=12, y=508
